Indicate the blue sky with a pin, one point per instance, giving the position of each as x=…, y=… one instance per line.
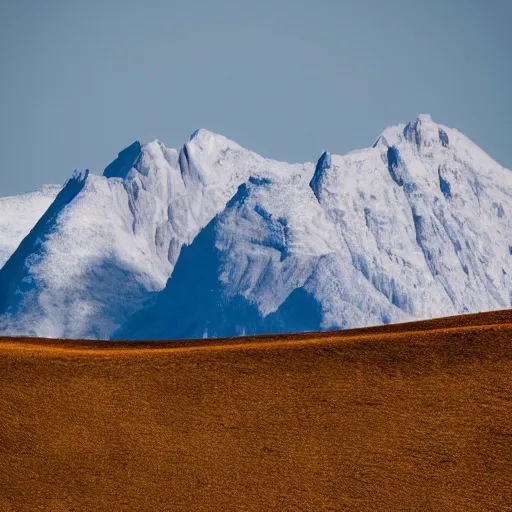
x=83, y=79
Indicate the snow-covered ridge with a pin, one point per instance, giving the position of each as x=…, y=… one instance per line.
x=417, y=226
x=109, y=243
x=19, y=214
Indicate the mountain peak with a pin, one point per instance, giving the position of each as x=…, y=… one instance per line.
x=324, y=163
x=423, y=132
x=207, y=140
x=200, y=133
x=424, y=118
x=124, y=162
x=389, y=136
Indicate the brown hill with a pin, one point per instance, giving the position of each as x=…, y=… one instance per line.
x=413, y=416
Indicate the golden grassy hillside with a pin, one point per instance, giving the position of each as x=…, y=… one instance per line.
x=406, y=417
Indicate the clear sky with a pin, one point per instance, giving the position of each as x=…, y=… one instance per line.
x=82, y=79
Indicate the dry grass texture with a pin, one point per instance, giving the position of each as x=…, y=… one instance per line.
x=406, y=417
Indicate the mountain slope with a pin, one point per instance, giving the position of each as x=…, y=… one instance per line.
x=426, y=216
x=19, y=214
x=270, y=262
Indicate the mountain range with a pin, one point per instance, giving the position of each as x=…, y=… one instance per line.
x=213, y=240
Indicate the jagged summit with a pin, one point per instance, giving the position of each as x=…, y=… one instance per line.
x=424, y=118
x=390, y=136
x=124, y=162
x=423, y=132
x=77, y=177
x=324, y=162
x=203, y=134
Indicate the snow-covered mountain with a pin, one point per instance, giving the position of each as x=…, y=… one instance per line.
x=271, y=261
x=109, y=243
x=426, y=216
x=417, y=226
x=19, y=214
x=214, y=240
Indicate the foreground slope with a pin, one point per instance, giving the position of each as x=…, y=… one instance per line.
x=19, y=214
x=413, y=416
